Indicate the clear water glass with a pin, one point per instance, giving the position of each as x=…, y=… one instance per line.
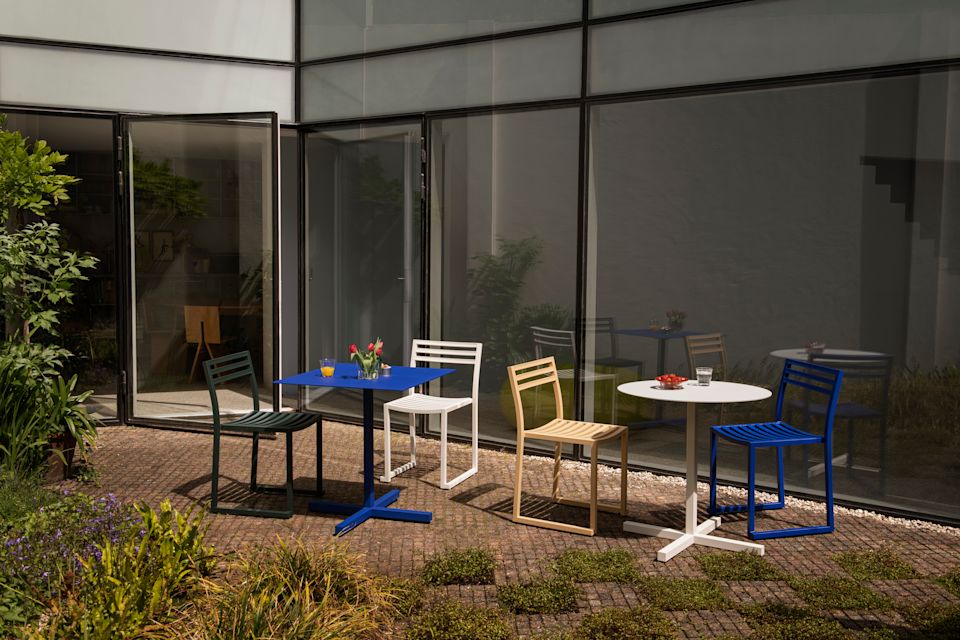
x=703, y=376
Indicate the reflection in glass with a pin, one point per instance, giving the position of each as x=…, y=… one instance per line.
x=822, y=215
x=202, y=208
x=503, y=233
x=88, y=219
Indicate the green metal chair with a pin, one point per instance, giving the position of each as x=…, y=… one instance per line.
x=234, y=367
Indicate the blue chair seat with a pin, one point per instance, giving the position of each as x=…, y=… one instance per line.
x=766, y=434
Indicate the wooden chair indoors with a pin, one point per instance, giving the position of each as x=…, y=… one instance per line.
x=202, y=327
x=537, y=373
x=707, y=350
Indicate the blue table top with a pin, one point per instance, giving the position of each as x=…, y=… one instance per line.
x=659, y=334
x=345, y=377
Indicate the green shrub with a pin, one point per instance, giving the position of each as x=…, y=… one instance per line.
x=738, y=566
x=556, y=595
x=625, y=624
x=834, y=592
x=463, y=566
x=935, y=621
x=449, y=620
x=290, y=592
x=408, y=595
x=596, y=566
x=882, y=564
x=20, y=497
x=951, y=581
x=678, y=594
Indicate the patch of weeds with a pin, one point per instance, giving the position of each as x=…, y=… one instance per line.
x=407, y=595
x=21, y=496
x=951, y=581
x=556, y=595
x=935, y=621
x=882, y=564
x=739, y=566
x=638, y=623
x=782, y=622
x=449, y=620
x=596, y=566
x=835, y=592
x=84, y=472
x=682, y=594
x=878, y=633
x=461, y=566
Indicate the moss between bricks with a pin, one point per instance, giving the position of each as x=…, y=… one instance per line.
x=450, y=620
x=951, y=581
x=835, y=592
x=935, y=621
x=882, y=564
x=596, y=566
x=638, y=623
x=556, y=595
x=682, y=594
x=739, y=566
x=781, y=622
x=464, y=566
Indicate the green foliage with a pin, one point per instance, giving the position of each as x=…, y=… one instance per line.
x=834, y=592
x=738, y=566
x=638, y=623
x=596, y=566
x=935, y=621
x=679, y=594
x=951, y=581
x=137, y=580
x=555, y=595
x=21, y=497
x=449, y=620
x=293, y=593
x=408, y=595
x=781, y=622
x=161, y=190
x=460, y=566
x=881, y=564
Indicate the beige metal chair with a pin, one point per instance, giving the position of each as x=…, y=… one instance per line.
x=537, y=373
x=707, y=350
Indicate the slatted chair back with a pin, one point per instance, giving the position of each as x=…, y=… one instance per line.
x=813, y=378
x=547, y=342
x=600, y=327
x=445, y=352
x=226, y=369
x=707, y=350
x=530, y=375
x=874, y=368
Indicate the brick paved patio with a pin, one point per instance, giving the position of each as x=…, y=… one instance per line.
x=151, y=465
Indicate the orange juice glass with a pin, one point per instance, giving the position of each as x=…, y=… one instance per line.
x=327, y=366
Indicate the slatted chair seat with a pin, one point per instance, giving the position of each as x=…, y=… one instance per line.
x=767, y=434
x=422, y=403
x=543, y=372
x=573, y=432
x=239, y=367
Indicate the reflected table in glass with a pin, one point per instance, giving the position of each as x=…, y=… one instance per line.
x=693, y=394
x=345, y=377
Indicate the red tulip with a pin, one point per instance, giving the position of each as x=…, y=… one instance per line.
x=353, y=348
x=380, y=351
x=370, y=347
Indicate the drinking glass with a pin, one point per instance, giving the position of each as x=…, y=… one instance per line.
x=327, y=367
x=703, y=376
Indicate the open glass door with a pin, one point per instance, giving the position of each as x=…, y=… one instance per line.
x=202, y=198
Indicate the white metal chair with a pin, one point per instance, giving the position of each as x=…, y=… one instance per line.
x=427, y=352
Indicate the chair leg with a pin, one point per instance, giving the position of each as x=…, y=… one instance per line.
x=443, y=449
x=624, y=453
x=412, y=422
x=387, y=464
x=290, y=471
x=518, y=482
x=254, y=456
x=712, y=509
x=781, y=486
x=557, y=451
x=215, y=475
x=751, y=491
x=715, y=510
x=319, y=428
x=828, y=485
x=593, y=487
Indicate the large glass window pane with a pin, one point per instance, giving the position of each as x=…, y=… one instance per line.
x=362, y=248
x=776, y=218
x=141, y=83
x=290, y=243
x=243, y=28
x=202, y=202
x=767, y=39
x=88, y=219
x=340, y=27
x=502, y=71
x=504, y=239
x=599, y=8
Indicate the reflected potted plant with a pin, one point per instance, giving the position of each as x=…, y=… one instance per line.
x=675, y=318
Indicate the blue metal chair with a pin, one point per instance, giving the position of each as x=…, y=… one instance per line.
x=778, y=434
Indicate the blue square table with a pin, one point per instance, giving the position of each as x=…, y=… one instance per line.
x=345, y=377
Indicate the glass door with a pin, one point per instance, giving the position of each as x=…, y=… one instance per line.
x=362, y=246
x=202, y=198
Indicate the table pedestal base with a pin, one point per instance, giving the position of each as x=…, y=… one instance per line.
x=357, y=514
x=682, y=540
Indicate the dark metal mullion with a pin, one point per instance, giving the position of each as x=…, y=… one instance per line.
x=302, y=259
x=425, y=253
x=275, y=243
x=141, y=51
x=121, y=269
x=414, y=48
x=580, y=307
x=297, y=56
x=125, y=293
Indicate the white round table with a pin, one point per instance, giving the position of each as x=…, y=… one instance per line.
x=693, y=394
x=802, y=354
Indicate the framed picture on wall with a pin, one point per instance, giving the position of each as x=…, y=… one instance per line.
x=162, y=246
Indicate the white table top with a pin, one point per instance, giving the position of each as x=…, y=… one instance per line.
x=801, y=354
x=716, y=392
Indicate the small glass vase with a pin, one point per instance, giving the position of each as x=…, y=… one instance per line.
x=371, y=374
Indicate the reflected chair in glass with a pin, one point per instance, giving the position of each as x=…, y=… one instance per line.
x=863, y=373
x=707, y=350
x=427, y=353
x=559, y=431
x=239, y=367
x=812, y=378
x=202, y=327
x=559, y=342
x=605, y=328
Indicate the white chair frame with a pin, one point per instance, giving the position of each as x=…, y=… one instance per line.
x=427, y=352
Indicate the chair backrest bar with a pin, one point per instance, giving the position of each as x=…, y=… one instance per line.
x=226, y=369
x=547, y=340
x=858, y=366
x=706, y=344
x=600, y=326
x=530, y=375
x=427, y=352
x=813, y=378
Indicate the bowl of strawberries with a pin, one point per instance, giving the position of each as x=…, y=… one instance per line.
x=671, y=381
